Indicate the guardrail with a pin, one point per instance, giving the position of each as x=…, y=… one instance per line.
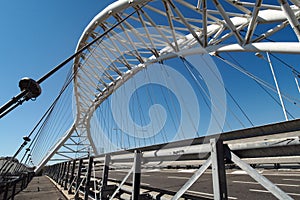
x=277, y=143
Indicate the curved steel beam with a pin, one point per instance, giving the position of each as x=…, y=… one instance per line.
x=187, y=46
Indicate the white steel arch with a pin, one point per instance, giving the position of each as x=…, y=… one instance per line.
x=182, y=27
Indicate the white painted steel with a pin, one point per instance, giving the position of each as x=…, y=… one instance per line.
x=185, y=46
x=55, y=149
x=100, y=73
x=276, y=191
x=277, y=87
x=193, y=179
x=122, y=183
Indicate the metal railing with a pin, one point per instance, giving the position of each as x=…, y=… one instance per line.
x=277, y=143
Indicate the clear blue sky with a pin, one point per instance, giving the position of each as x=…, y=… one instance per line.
x=35, y=36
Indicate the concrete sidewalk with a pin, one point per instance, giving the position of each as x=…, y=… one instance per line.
x=40, y=187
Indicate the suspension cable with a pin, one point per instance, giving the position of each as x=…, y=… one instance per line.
x=260, y=81
x=265, y=90
x=260, y=85
x=188, y=65
x=17, y=100
x=234, y=100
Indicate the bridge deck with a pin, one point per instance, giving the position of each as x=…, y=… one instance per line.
x=40, y=188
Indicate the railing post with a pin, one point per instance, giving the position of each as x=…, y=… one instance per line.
x=105, y=170
x=136, y=182
x=105, y=175
x=23, y=182
x=28, y=179
x=60, y=165
x=218, y=170
x=67, y=176
x=6, y=191
x=49, y=170
x=62, y=177
x=13, y=190
x=72, y=176
x=56, y=172
x=13, y=193
x=76, y=197
x=53, y=171
x=88, y=178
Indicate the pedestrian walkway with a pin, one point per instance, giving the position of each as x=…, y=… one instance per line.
x=40, y=187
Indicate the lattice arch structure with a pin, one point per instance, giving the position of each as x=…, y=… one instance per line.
x=162, y=29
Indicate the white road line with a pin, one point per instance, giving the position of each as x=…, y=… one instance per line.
x=201, y=193
x=187, y=170
x=151, y=170
x=278, y=184
x=206, y=194
x=281, y=174
x=239, y=172
x=174, y=172
x=178, y=177
x=290, y=179
x=146, y=175
x=288, y=170
x=266, y=191
x=288, y=185
x=121, y=171
x=246, y=182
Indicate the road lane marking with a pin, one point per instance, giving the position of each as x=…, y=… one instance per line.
x=206, y=194
x=246, y=182
x=239, y=172
x=176, y=171
x=178, y=177
x=281, y=174
x=290, y=179
x=266, y=191
x=187, y=170
x=121, y=171
x=278, y=184
x=152, y=170
x=242, y=172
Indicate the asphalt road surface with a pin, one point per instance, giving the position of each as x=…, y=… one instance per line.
x=239, y=184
